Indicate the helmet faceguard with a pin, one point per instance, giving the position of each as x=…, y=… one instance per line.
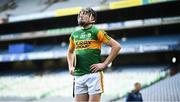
x=92, y=17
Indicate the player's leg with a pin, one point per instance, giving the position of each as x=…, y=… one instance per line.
x=82, y=97
x=81, y=89
x=95, y=86
x=95, y=98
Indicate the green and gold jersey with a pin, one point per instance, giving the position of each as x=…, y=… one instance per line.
x=87, y=44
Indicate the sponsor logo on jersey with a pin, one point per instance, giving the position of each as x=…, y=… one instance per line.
x=83, y=44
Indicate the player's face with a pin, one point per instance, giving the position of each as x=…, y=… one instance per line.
x=84, y=16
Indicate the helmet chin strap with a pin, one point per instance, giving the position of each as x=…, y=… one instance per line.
x=90, y=19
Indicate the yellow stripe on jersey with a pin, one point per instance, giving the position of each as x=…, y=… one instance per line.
x=71, y=43
x=103, y=37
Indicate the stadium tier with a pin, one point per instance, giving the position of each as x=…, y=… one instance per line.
x=131, y=45
x=20, y=10
x=34, y=86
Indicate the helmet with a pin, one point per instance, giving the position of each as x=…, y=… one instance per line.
x=92, y=17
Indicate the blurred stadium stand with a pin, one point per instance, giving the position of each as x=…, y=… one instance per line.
x=165, y=90
x=131, y=10
x=58, y=83
x=131, y=45
x=172, y=92
x=148, y=31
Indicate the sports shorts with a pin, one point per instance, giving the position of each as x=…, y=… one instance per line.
x=89, y=83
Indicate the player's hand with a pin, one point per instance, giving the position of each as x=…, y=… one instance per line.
x=71, y=70
x=97, y=67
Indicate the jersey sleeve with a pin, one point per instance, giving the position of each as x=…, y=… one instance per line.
x=71, y=42
x=103, y=37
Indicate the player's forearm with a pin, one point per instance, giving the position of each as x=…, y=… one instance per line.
x=114, y=52
x=70, y=59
